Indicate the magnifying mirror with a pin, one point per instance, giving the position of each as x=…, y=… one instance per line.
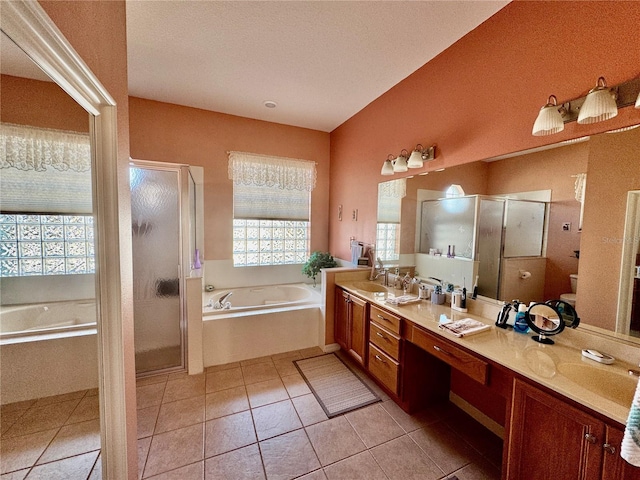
x=545, y=320
x=551, y=318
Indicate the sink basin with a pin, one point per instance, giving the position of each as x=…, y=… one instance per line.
x=369, y=287
x=615, y=385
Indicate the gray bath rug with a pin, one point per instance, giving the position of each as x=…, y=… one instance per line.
x=335, y=386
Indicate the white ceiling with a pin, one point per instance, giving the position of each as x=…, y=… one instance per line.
x=320, y=61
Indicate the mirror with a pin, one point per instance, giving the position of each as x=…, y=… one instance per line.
x=550, y=318
x=31, y=29
x=593, y=252
x=544, y=320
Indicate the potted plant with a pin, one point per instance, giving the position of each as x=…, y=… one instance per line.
x=316, y=261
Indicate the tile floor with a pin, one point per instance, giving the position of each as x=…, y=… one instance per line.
x=254, y=419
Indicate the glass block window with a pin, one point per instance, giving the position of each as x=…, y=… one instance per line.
x=388, y=241
x=32, y=244
x=270, y=242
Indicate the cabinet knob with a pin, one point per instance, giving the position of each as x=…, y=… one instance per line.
x=609, y=448
x=590, y=438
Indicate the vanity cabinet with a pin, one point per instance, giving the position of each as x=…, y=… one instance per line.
x=384, y=348
x=614, y=467
x=548, y=438
x=350, y=325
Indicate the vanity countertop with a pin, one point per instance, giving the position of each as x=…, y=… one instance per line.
x=560, y=367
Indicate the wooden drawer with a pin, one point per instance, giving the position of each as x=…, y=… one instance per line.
x=449, y=353
x=384, y=368
x=386, y=341
x=386, y=319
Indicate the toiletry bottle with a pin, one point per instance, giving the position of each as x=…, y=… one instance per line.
x=520, y=324
x=463, y=300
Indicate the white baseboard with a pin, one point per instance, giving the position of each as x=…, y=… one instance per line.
x=332, y=347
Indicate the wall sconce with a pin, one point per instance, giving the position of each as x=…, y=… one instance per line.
x=416, y=160
x=549, y=119
x=421, y=155
x=400, y=163
x=601, y=103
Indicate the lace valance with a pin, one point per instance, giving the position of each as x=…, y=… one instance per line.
x=580, y=186
x=31, y=148
x=393, y=189
x=267, y=171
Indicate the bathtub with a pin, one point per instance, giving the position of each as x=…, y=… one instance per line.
x=45, y=321
x=47, y=349
x=262, y=320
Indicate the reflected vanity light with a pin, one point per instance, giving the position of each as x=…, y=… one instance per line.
x=404, y=161
x=600, y=104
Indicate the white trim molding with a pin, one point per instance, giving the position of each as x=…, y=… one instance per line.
x=29, y=26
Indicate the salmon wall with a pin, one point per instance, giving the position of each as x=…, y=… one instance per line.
x=480, y=97
x=40, y=104
x=97, y=31
x=171, y=133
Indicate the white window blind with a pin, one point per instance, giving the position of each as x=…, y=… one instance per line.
x=44, y=171
x=271, y=188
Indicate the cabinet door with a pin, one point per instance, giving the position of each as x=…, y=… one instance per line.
x=549, y=439
x=614, y=466
x=357, y=331
x=341, y=318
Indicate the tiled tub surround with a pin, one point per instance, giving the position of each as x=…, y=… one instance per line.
x=518, y=352
x=257, y=419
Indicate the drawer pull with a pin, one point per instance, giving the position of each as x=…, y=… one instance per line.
x=438, y=349
x=609, y=448
x=380, y=359
x=381, y=335
x=381, y=317
x=590, y=438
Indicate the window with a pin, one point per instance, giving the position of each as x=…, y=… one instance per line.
x=271, y=209
x=388, y=242
x=46, y=244
x=46, y=222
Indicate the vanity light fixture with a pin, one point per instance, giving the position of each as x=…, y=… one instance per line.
x=421, y=155
x=404, y=161
x=599, y=105
x=549, y=119
x=400, y=163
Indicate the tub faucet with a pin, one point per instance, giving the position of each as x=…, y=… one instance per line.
x=222, y=303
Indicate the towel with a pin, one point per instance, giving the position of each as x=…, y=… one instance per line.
x=356, y=252
x=630, y=449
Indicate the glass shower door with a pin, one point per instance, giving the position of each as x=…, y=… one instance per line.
x=157, y=283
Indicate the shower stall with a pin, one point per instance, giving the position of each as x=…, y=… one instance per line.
x=163, y=243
